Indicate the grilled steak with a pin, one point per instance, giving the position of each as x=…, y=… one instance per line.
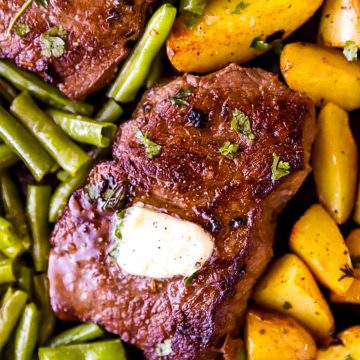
x=97, y=36
x=235, y=198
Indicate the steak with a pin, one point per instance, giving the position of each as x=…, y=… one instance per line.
x=97, y=38
x=235, y=198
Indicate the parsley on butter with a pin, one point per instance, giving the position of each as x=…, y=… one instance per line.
x=279, y=168
x=152, y=149
x=53, y=42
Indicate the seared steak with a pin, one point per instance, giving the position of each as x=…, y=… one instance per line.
x=235, y=198
x=97, y=36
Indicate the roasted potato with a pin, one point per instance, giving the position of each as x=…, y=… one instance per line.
x=340, y=23
x=347, y=349
x=274, y=336
x=226, y=30
x=335, y=163
x=317, y=240
x=322, y=73
x=353, y=294
x=289, y=287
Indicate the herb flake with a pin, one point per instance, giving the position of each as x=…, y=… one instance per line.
x=189, y=279
x=18, y=16
x=42, y=3
x=53, y=42
x=229, y=149
x=164, y=348
x=279, y=168
x=242, y=124
x=286, y=305
x=22, y=29
x=178, y=99
x=152, y=149
x=259, y=44
x=350, y=50
x=240, y=6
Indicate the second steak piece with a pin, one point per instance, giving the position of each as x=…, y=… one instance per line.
x=209, y=162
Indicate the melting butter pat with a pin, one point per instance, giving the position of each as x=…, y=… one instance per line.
x=157, y=245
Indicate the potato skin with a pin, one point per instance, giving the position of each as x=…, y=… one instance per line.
x=274, y=336
x=350, y=346
x=289, y=288
x=220, y=36
x=317, y=240
x=339, y=23
x=322, y=73
x=335, y=163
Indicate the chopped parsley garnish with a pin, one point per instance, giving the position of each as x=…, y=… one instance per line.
x=240, y=6
x=350, y=50
x=114, y=197
x=279, y=168
x=43, y=3
x=348, y=357
x=17, y=16
x=259, y=44
x=286, y=305
x=348, y=272
x=189, y=279
x=178, y=99
x=152, y=149
x=164, y=348
x=53, y=42
x=22, y=29
x=356, y=261
x=229, y=149
x=241, y=124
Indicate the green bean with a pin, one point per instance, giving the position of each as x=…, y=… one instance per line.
x=194, y=6
x=47, y=318
x=66, y=153
x=110, y=112
x=26, y=333
x=10, y=244
x=7, y=91
x=49, y=94
x=136, y=68
x=14, y=209
x=24, y=145
x=155, y=71
x=64, y=190
x=76, y=335
x=24, y=279
x=37, y=209
x=7, y=156
x=6, y=271
x=11, y=308
x=83, y=129
x=62, y=175
x=109, y=350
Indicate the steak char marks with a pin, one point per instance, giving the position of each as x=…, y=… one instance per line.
x=98, y=35
x=234, y=198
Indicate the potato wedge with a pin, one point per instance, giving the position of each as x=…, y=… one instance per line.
x=322, y=73
x=350, y=350
x=335, y=163
x=274, y=336
x=290, y=288
x=225, y=31
x=340, y=22
x=353, y=294
x=317, y=240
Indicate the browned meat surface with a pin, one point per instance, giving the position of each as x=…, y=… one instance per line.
x=234, y=199
x=98, y=35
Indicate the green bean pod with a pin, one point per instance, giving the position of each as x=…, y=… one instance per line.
x=47, y=317
x=37, y=209
x=10, y=244
x=155, y=71
x=24, y=279
x=26, y=333
x=194, y=6
x=14, y=208
x=109, y=350
x=24, y=145
x=7, y=157
x=110, y=112
x=83, y=129
x=76, y=335
x=49, y=94
x=6, y=271
x=7, y=91
x=12, y=305
x=136, y=68
x=65, y=152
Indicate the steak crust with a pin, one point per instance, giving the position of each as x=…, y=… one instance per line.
x=98, y=35
x=235, y=199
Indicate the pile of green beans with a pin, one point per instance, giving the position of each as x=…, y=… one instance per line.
x=55, y=138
